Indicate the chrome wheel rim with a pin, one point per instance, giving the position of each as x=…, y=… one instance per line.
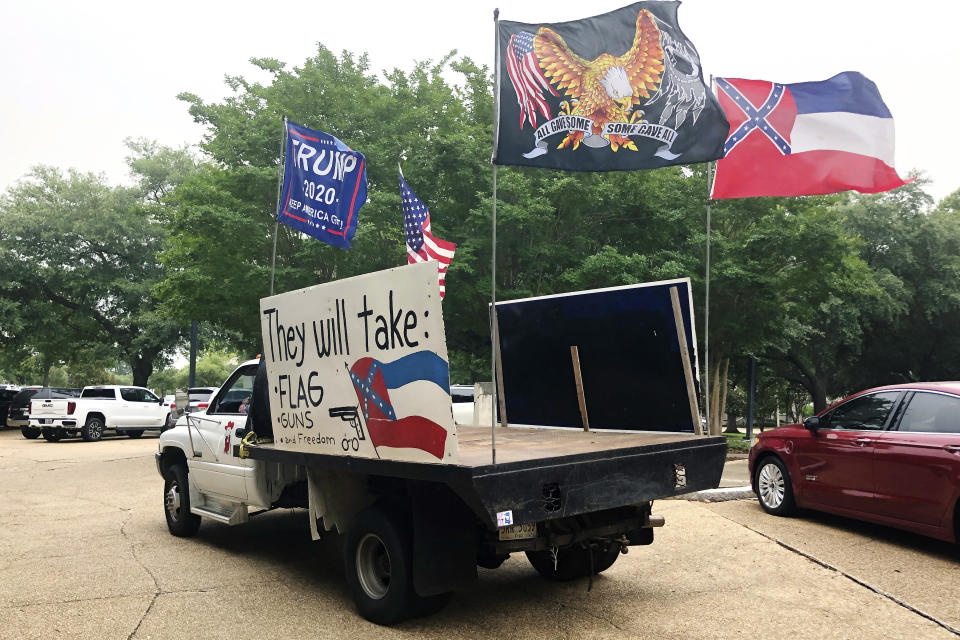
x=96, y=429
x=771, y=485
x=172, y=501
x=373, y=566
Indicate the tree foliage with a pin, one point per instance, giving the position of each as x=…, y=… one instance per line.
x=831, y=293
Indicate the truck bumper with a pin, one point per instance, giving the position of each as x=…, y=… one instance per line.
x=156, y=458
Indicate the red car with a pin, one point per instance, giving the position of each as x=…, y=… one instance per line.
x=889, y=455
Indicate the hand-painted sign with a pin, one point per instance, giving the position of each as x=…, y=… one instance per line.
x=324, y=186
x=359, y=367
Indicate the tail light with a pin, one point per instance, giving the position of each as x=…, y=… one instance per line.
x=71, y=407
x=203, y=405
x=173, y=405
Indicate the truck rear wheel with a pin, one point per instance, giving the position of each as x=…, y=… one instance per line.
x=573, y=562
x=176, y=502
x=93, y=429
x=30, y=433
x=379, y=565
x=52, y=435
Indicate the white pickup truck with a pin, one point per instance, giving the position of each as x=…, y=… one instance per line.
x=372, y=451
x=125, y=410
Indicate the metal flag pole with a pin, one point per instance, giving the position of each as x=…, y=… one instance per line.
x=706, y=311
x=706, y=303
x=276, y=214
x=493, y=251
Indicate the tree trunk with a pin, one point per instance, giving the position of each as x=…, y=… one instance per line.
x=731, y=422
x=724, y=385
x=142, y=365
x=819, y=393
x=46, y=374
x=714, y=426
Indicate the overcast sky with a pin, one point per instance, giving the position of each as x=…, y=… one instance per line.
x=79, y=77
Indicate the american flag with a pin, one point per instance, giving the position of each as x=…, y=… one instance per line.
x=528, y=81
x=421, y=244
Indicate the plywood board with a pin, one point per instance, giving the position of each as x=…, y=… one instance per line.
x=630, y=358
x=359, y=367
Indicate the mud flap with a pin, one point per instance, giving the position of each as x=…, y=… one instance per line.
x=444, y=540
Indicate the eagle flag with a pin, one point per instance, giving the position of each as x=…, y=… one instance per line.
x=391, y=394
x=422, y=245
x=324, y=186
x=806, y=138
x=619, y=91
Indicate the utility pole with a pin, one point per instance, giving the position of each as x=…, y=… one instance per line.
x=193, y=354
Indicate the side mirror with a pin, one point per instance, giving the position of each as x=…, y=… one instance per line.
x=812, y=423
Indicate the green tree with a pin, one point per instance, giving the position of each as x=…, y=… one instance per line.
x=83, y=255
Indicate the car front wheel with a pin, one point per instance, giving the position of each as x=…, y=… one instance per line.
x=773, y=487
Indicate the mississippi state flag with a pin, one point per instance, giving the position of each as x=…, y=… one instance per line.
x=397, y=397
x=806, y=138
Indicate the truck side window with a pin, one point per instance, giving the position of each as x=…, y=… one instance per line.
x=130, y=395
x=232, y=396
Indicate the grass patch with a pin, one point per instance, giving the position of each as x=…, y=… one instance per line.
x=735, y=442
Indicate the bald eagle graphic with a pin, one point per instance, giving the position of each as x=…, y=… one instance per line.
x=605, y=89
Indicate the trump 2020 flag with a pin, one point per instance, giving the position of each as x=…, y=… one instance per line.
x=422, y=245
x=324, y=186
x=392, y=396
x=619, y=91
x=806, y=138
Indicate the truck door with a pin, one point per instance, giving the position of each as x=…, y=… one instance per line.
x=153, y=411
x=226, y=473
x=125, y=414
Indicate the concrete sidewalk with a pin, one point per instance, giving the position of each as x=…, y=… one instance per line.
x=734, y=485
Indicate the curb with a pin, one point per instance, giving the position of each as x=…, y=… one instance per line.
x=722, y=495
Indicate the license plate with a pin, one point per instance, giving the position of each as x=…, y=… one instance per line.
x=519, y=532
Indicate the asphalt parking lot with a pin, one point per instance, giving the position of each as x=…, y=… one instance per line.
x=86, y=554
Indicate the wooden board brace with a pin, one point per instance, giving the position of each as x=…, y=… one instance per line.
x=499, y=364
x=685, y=357
x=575, y=356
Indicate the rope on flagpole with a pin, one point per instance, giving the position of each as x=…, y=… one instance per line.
x=276, y=217
x=493, y=250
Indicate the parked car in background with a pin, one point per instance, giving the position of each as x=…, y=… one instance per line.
x=199, y=398
x=19, y=413
x=7, y=394
x=889, y=455
x=170, y=402
x=122, y=409
x=461, y=395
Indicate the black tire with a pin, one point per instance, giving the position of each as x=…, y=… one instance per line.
x=771, y=483
x=134, y=433
x=30, y=433
x=52, y=435
x=93, y=429
x=573, y=562
x=176, y=502
x=378, y=559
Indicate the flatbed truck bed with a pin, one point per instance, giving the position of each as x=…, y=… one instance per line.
x=546, y=473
